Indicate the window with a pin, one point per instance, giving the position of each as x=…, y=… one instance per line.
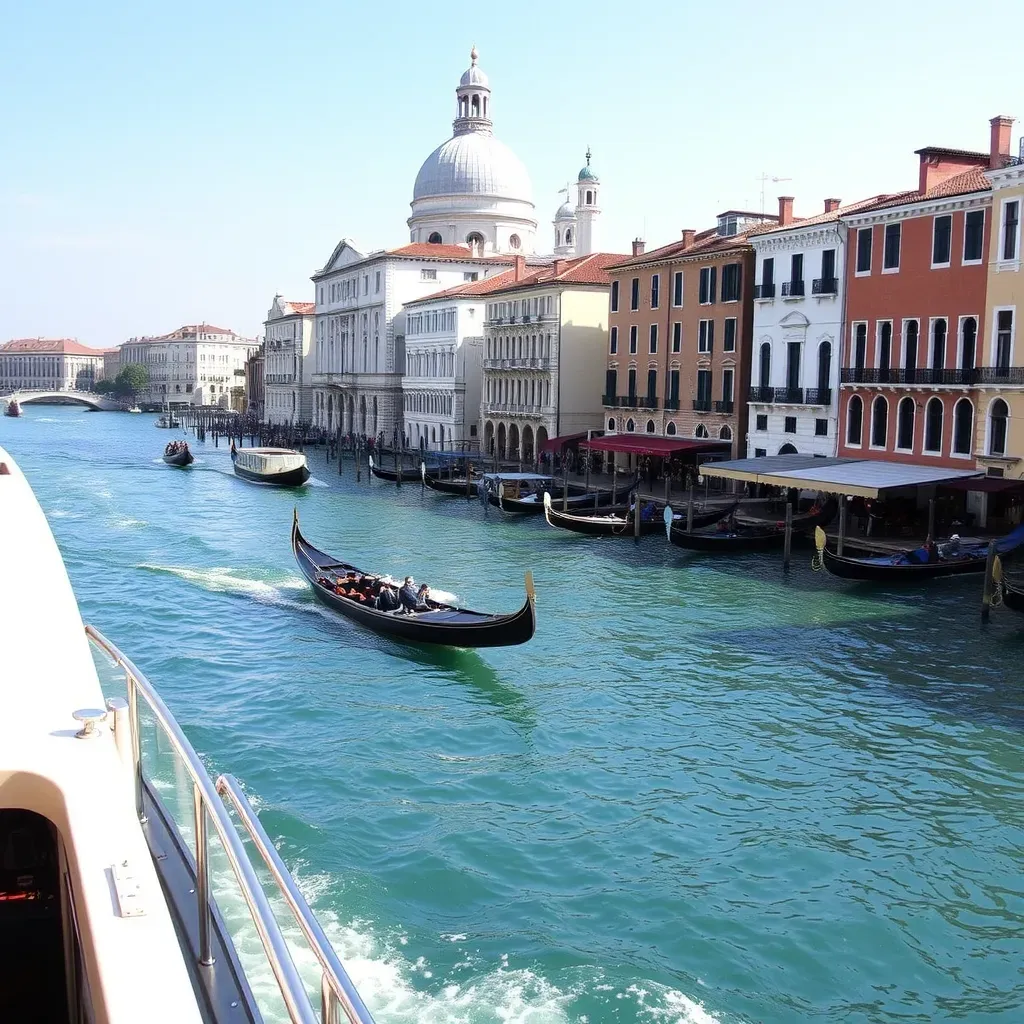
x=891, y=252
x=706, y=336
x=631, y=384
x=700, y=430
x=821, y=428
x=854, y=420
x=652, y=385
x=864, y=236
x=968, y=340
x=789, y=425
x=1004, y=338
x=796, y=271
x=428, y=275
x=933, y=426
x=725, y=434
x=963, y=427
x=729, y=341
x=997, y=415
x=1011, y=224
x=768, y=278
x=632, y=340
x=974, y=234
x=677, y=288
x=634, y=299
x=860, y=346
x=942, y=240
x=905, y=425
x=653, y=340
x=727, y=378
x=655, y=289
x=630, y=425
x=731, y=282
x=765, y=365
x=938, y=343
x=471, y=275
x=879, y=422
x=703, y=389
x=910, y=335
x=650, y=427
x=761, y=422
x=671, y=430
x=760, y=453
x=706, y=293
x=613, y=341
x=884, y=348
x=515, y=242
x=677, y=337
x=615, y=296
x=827, y=285
x=673, y=388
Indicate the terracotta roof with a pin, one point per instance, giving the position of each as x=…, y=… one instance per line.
x=483, y=287
x=303, y=307
x=706, y=243
x=52, y=346
x=442, y=252
x=821, y=218
x=592, y=269
x=971, y=154
x=971, y=180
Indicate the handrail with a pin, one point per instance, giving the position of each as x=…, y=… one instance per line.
x=207, y=802
x=336, y=978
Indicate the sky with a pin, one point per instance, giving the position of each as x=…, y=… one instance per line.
x=163, y=164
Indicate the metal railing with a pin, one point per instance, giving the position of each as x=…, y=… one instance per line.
x=929, y=375
x=671, y=405
x=824, y=286
x=723, y=405
x=764, y=290
x=792, y=288
x=338, y=994
x=702, y=405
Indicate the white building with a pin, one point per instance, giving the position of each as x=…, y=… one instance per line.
x=798, y=312
x=576, y=229
x=50, y=364
x=289, y=362
x=197, y=364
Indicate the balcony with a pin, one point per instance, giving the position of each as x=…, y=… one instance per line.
x=824, y=286
x=759, y=394
x=648, y=402
x=520, y=363
x=792, y=289
x=927, y=376
x=702, y=405
x=609, y=401
x=724, y=405
x=791, y=396
x=671, y=405
x=628, y=401
x=764, y=290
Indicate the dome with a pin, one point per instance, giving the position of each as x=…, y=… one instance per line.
x=586, y=174
x=474, y=76
x=565, y=212
x=473, y=164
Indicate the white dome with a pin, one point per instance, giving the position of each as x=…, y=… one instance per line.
x=565, y=212
x=473, y=164
x=474, y=76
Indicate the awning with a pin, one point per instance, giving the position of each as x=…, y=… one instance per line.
x=865, y=478
x=650, y=444
x=988, y=484
x=557, y=444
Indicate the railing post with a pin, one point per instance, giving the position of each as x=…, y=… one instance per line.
x=133, y=719
x=329, y=1005
x=202, y=877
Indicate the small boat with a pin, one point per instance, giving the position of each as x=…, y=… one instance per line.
x=521, y=494
x=459, y=486
x=405, y=474
x=951, y=558
x=13, y=408
x=1012, y=592
x=177, y=454
x=279, y=466
x=135, y=409
x=734, y=535
x=167, y=423
x=614, y=521
x=442, y=624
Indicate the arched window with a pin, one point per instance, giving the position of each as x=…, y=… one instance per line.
x=933, y=426
x=911, y=329
x=938, y=344
x=963, y=426
x=700, y=431
x=884, y=349
x=515, y=241
x=630, y=425
x=860, y=346
x=435, y=238
x=671, y=430
x=650, y=426
x=854, y=420
x=725, y=434
x=968, y=341
x=611, y=423
x=997, y=415
x=590, y=198
x=765, y=368
x=788, y=449
x=905, y=424
x=879, y=422
x=475, y=240
x=568, y=236
x=475, y=105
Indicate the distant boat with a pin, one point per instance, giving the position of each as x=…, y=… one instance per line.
x=168, y=422
x=135, y=408
x=13, y=408
x=177, y=454
x=279, y=466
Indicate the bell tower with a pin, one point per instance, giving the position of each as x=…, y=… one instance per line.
x=588, y=209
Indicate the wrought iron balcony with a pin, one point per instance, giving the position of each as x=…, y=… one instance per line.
x=628, y=401
x=609, y=401
x=648, y=402
x=764, y=290
x=702, y=405
x=671, y=405
x=824, y=286
x=792, y=289
x=790, y=396
x=761, y=394
x=818, y=396
x=724, y=405
x=928, y=376
x=998, y=375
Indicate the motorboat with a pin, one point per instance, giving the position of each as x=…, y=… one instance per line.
x=281, y=467
x=13, y=408
x=167, y=422
x=135, y=409
x=107, y=905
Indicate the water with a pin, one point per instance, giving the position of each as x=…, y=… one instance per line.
x=702, y=793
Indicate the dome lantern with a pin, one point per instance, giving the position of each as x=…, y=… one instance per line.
x=473, y=100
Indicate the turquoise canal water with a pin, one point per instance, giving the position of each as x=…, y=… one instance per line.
x=704, y=792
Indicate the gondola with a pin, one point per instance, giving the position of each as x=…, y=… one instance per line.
x=612, y=521
x=908, y=566
x=13, y=408
x=495, y=488
x=750, y=535
x=1013, y=594
x=443, y=624
x=404, y=474
x=459, y=487
x=178, y=454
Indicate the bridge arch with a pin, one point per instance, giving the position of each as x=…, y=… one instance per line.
x=87, y=398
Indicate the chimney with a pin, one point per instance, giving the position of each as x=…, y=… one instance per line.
x=638, y=247
x=520, y=268
x=559, y=267
x=831, y=205
x=688, y=236
x=999, y=146
x=785, y=210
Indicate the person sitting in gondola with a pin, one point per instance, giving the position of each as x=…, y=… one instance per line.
x=423, y=599
x=408, y=595
x=647, y=512
x=387, y=599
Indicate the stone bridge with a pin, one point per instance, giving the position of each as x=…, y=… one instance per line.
x=98, y=402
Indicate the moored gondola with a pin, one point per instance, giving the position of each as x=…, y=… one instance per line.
x=459, y=487
x=177, y=454
x=522, y=494
x=1012, y=592
x=442, y=624
x=951, y=558
x=405, y=474
x=735, y=536
x=614, y=521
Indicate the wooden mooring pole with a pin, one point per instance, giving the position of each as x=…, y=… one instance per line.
x=788, y=545
x=689, y=510
x=986, y=593
x=842, y=524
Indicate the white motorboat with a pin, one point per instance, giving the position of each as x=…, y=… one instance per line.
x=279, y=466
x=106, y=906
x=135, y=408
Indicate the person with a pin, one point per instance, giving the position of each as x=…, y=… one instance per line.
x=422, y=599
x=408, y=595
x=951, y=549
x=647, y=513
x=387, y=599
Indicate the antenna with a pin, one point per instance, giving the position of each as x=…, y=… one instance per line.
x=767, y=177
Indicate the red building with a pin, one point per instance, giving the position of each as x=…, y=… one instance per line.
x=916, y=279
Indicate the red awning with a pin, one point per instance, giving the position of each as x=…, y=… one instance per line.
x=649, y=444
x=988, y=484
x=557, y=444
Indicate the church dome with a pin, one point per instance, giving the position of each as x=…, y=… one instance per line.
x=586, y=174
x=565, y=212
x=473, y=164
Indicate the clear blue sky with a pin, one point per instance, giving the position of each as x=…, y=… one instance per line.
x=167, y=163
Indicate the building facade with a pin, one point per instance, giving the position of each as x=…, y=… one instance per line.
x=680, y=324
x=289, y=362
x=198, y=364
x=799, y=296
x=544, y=340
x=255, y=384
x=50, y=364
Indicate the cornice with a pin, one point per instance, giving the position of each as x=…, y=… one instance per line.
x=1006, y=177
x=820, y=236
x=921, y=208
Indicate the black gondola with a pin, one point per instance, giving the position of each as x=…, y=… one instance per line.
x=405, y=473
x=443, y=624
x=750, y=536
x=907, y=566
x=495, y=487
x=613, y=521
x=177, y=454
x=1013, y=594
x=460, y=488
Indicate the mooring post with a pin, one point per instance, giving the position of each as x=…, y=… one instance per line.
x=842, y=524
x=636, y=517
x=788, y=545
x=615, y=480
x=986, y=593
x=689, y=510
x=565, y=488
x=931, y=518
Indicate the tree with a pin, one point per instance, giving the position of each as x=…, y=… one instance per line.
x=104, y=387
x=132, y=379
